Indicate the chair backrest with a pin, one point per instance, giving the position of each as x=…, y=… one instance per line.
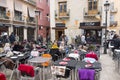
x=8, y=63
x=26, y=70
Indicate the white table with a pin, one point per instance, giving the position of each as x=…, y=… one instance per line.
x=38, y=60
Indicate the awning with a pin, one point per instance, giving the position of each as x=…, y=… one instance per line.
x=3, y=3
x=31, y=11
x=90, y=25
x=18, y=6
x=60, y=24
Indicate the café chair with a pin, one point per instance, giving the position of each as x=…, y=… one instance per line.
x=28, y=72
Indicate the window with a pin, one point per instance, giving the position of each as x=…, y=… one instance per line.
x=2, y=12
x=18, y=15
x=62, y=7
x=92, y=4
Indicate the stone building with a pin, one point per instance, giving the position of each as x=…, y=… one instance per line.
x=77, y=17
x=19, y=16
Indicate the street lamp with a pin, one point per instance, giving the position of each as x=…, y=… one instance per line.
x=106, y=7
x=37, y=13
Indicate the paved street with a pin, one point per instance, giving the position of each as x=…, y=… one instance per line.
x=108, y=68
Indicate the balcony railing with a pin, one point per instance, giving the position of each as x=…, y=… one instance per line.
x=62, y=15
x=113, y=23
x=31, y=20
x=92, y=13
x=18, y=18
x=3, y=15
x=31, y=2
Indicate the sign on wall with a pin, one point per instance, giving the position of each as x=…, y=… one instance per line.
x=90, y=24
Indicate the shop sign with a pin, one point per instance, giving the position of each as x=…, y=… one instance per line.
x=90, y=24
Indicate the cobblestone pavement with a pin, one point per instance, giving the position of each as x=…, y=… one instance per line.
x=109, y=72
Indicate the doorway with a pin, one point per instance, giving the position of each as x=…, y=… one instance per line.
x=58, y=33
x=95, y=35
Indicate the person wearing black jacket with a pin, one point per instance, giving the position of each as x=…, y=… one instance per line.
x=116, y=44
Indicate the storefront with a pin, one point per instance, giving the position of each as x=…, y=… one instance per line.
x=18, y=30
x=59, y=30
x=30, y=33
x=4, y=28
x=93, y=29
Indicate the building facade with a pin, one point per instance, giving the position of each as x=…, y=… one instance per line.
x=44, y=22
x=18, y=16
x=79, y=17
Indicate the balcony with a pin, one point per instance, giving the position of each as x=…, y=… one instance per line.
x=18, y=18
x=3, y=15
x=92, y=13
x=62, y=15
x=113, y=23
x=31, y=20
x=32, y=2
x=114, y=10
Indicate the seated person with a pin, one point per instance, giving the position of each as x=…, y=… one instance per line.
x=18, y=47
x=34, y=52
x=7, y=47
x=82, y=48
x=55, y=45
x=62, y=48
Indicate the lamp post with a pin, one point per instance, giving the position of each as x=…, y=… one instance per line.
x=37, y=13
x=106, y=7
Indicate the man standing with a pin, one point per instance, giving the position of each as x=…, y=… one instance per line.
x=12, y=38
